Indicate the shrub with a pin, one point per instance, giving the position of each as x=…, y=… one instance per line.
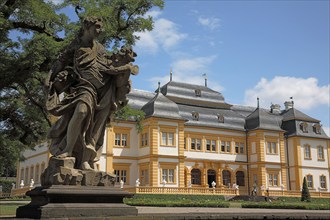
x=6, y=185
x=305, y=195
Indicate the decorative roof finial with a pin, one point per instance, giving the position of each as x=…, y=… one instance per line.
x=257, y=102
x=158, y=87
x=292, y=100
x=171, y=73
x=205, y=78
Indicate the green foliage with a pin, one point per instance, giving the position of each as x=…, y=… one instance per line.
x=298, y=199
x=6, y=185
x=127, y=113
x=285, y=205
x=305, y=195
x=168, y=200
x=32, y=34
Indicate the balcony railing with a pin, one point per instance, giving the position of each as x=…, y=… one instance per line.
x=182, y=190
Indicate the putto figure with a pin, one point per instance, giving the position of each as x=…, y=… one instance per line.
x=95, y=85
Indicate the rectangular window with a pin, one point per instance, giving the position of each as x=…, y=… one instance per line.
x=121, y=175
x=323, y=182
x=213, y=145
x=164, y=138
x=117, y=139
x=270, y=179
x=168, y=175
x=273, y=179
x=228, y=147
x=142, y=140
x=185, y=143
x=193, y=144
x=239, y=147
x=121, y=140
x=146, y=138
x=170, y=139
x=271, y=148
x=167, y=139
x=171, y=176
x=225, y=146
x=309, y=181
x=124, y=140
x=307, y=150
x=198, y=144
x=320, y=153
x=208, y=145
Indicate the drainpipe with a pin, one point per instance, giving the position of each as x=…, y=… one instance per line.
x=247, y=162
x=287, y=158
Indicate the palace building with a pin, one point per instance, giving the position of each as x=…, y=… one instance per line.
x=191, y=137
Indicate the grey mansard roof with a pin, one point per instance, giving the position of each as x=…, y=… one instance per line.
x=263, y=119
x=179, y=101
x=160, y=106
x=294, y=114
x=184, y=93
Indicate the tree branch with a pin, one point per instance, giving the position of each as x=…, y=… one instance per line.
x=35, y=102
x=126, y=26
x=42, y=30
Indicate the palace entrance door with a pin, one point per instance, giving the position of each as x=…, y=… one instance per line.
x=211, y=176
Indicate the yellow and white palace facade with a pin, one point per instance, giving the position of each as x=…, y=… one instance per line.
x=191, y=137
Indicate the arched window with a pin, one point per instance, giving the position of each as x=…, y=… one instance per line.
x=196, y=176
x=26, y=176
x=31, y=173
x=226, y=176
x=37, y=176
x=240, y=178
x=22, y=174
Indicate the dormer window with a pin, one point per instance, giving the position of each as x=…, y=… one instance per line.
x=195, y=116
x=317, y=128
x=221, y=119
x=198, y=92
x=303, y=127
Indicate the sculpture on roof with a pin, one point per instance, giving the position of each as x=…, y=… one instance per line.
x=95, y=86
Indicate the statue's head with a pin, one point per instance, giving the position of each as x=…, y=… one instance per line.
x=91, y=24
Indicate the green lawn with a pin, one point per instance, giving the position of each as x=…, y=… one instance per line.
x=162, y=200
x=8, y=209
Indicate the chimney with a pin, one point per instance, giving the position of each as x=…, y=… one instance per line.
x=275, y=109
x=288, y=105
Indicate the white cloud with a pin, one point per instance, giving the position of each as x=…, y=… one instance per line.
x=306, y=93
x=56, y=2
x=211, y=23
x=154, y=14
x=165, y=35
x=190, y=71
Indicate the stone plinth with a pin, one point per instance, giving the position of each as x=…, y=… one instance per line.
x=61, y=171
x=61, y=201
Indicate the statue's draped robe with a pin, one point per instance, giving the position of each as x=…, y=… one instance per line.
x=94, y=87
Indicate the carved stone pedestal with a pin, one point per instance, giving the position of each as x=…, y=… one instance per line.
x=61, y=171
x=76, y=202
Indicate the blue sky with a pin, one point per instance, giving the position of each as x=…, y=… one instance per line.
x=268, y=49
x=273, y=50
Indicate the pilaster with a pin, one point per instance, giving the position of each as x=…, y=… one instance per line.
x=109, y=150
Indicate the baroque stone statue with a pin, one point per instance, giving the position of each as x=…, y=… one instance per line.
x=95, y=85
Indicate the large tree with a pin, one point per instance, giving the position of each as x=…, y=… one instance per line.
x=32, y=34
